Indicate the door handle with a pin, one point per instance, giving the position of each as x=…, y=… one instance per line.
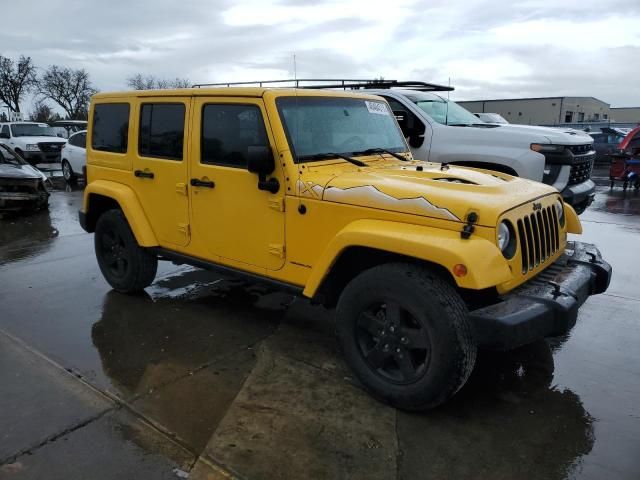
x=143, y=174
x=196, y=182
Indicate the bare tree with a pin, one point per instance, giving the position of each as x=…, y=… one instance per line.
x=16, y=78
x=150, y=82
x=69, y=88
x=43, y=113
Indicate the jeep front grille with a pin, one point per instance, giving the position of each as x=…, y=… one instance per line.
x=539, y=237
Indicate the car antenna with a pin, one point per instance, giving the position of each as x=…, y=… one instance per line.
x=443, y=165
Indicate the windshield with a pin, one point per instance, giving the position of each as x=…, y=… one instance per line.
x=7, y=156
x=32, y=130
x=443, y=111
x=323, y=125
x=492, y=118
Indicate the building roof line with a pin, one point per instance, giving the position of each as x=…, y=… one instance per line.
x=529, y=98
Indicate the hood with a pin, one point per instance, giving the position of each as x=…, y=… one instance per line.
x=38, y=139
x=8, y=170
x=556, y=135
x=424, y=189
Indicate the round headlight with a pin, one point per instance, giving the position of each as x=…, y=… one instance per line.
x=507, y=239
x=560, y=212
x=504, y=235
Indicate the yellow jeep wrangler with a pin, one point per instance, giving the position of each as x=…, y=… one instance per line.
x=317, y=192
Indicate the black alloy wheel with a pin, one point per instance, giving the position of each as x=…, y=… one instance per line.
x=393, y=342
x=113, y=250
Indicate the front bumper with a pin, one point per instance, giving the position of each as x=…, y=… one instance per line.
x=582, y=193
x=14, y=201
x=35, y=158
x=547, y=305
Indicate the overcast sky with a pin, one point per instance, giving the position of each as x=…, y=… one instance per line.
x=489, y=49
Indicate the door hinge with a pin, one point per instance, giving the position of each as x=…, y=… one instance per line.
x=277, y=204
x=184, y=229
x=276, y=249
x=181, y=188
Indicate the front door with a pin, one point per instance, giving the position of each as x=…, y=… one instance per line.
x=160, y=166
x=231, y=218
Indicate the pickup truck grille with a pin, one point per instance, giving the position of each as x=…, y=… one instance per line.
x=580, y=149
x=581, y=170
x=50, y=147
x=539, y=237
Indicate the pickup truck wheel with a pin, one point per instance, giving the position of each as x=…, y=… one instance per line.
x=403, y=330
x=127, y=266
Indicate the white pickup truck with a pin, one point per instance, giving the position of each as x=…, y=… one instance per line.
x=36, y=142
x=442, y=131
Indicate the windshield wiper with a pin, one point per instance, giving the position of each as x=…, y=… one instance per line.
x=328, y=155
x=369, y=151
x=460, y=124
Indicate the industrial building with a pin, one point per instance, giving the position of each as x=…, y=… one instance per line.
x=625, y=114
x=545, y=110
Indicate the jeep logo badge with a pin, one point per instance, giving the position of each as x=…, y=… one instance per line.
x=537, y=206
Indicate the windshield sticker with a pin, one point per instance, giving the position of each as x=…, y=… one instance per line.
x=378, y=108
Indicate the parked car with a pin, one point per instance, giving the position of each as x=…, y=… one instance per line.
x=74, y=156
x=66, y=128
x=317, y=192
x=440, y=130
x=606, y=142
x=22, y=186
x=494, y=118
x=36, y=142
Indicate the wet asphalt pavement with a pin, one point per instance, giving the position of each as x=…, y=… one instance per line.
x=205, y=376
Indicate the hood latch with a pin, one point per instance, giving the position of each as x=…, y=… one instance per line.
x=468, y=229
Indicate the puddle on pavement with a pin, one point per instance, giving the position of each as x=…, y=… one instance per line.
x=508, y=421
x=138, y=335
x=24, y=235
x=615, y=201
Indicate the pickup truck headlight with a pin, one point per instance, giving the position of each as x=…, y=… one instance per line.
x=32, y=147
x=560, y=212
x=546, y=148
x=506, y=239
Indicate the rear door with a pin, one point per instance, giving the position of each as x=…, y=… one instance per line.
x=77, y=153
x=160, y=162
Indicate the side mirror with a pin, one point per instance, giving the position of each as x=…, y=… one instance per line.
x=4, y=135
x=260, y=160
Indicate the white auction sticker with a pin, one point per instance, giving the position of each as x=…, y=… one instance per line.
x=377, y=108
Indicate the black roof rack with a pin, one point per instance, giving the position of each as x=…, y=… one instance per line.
x=345, y=84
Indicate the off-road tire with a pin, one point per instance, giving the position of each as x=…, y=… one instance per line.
x=71, y=178
x=428, y=299
x=140, y=264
